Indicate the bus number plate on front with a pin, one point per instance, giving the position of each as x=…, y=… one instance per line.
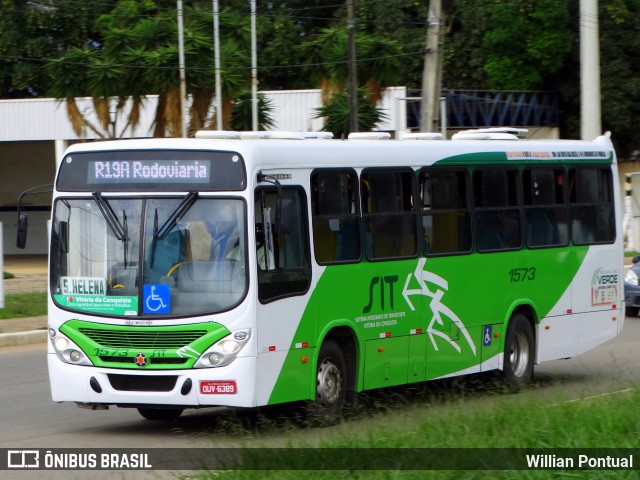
x=223, y=387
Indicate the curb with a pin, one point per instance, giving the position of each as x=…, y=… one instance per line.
x=23, y=338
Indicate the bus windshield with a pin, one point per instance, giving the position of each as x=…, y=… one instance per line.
x=148, y=257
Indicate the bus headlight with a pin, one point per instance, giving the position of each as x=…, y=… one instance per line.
x=224, y=351
x=631, y=277
x=67, y=350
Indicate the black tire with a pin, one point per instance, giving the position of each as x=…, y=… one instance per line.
x=631, y=311
x=519, y=351
x=332, y=380
x=162, y=414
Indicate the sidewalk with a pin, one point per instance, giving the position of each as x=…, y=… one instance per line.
x=23, y=331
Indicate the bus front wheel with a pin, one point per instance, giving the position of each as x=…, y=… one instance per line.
x=519, y=350
x=331, y=383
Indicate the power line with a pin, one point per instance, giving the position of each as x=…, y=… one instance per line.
x=199, y=69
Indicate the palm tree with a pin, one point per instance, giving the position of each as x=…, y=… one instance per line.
x=381, y=65
x=138, y=56
x=326, y=60
x=242, y=113
x=336, y=113
x=378, y=67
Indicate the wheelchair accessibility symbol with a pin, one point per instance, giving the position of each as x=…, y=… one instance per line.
x=486, y=335
x=156, y=298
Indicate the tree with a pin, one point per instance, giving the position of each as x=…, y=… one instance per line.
x=31, y=32
x=128, y=51
x=326, y=59
x=507, y=45
x=241, y=118
x=138, y=56
x=620, y=73
x=528, y=43
x=336, y=113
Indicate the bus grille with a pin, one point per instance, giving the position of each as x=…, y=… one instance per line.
x=156, y=360
x=140, y=383
x=140, y=339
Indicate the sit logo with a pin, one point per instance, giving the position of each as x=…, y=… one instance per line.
x=389, y=281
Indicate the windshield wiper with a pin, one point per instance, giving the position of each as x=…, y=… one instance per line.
x=160, y=232
x=178, y=213
x=154, y=241
x=119, y=230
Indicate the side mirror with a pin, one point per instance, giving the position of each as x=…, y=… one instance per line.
x=23, y=223
x=21, y=240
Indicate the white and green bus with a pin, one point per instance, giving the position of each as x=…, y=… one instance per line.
x=242, y=272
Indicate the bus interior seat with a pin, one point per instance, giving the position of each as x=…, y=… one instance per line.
x=209, y=284
x=124, y=279
x=201, y=245
x=226, y=235
x=333, y=205
x=325, y=240
x=169, y=250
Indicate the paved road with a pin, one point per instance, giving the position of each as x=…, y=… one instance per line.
x=29, y=419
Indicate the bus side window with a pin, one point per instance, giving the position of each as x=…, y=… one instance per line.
x=336, y=219
x=545, y=212
x=591, y=199
x=496, y=209
x=389, y=215
x=446, y=219
x=284, y=268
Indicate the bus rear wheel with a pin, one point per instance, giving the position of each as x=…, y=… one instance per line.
x=519, y=350
x=162, y=414
x=331, y=384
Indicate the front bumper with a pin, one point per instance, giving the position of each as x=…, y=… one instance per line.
x=109, y=386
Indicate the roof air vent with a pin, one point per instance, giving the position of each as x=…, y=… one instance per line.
x=369, y=136
x=422, y=136
x=218, y=134
x=497, y=133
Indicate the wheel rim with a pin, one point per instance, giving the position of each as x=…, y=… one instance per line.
x=519, y=355
x=329, y=383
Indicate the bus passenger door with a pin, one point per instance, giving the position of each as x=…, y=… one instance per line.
x=285, y=318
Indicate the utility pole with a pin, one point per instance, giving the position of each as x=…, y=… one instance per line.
x=216, y=54
x=183, y=78
x=590, y=118
x=254, y=69
x=432, y=73
x=352, y=74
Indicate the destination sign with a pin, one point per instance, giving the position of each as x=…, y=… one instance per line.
x=148, y=171
x=151, y=170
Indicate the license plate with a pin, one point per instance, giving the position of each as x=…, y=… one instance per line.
x=221, y=387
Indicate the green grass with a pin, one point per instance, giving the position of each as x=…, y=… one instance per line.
x=7, y=275
x=17, y=305
x=485, y=421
